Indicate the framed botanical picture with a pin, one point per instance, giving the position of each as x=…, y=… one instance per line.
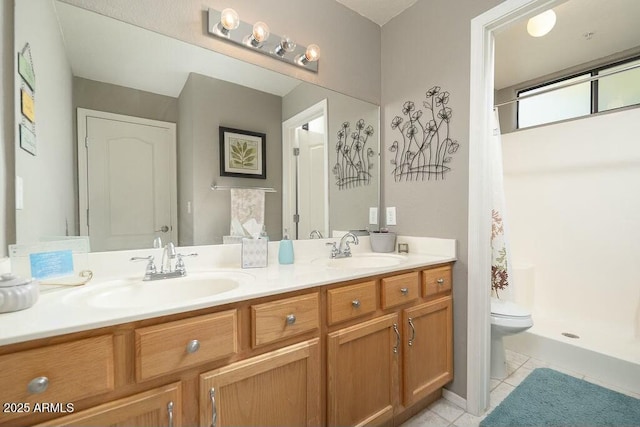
x=242, y=153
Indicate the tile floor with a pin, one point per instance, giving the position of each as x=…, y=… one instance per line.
x=443, y=413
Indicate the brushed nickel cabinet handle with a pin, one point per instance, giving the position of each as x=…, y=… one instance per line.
x=38, y=385
x=413, y=332
x=193, y=346
x=440, y=281
x=395, y=329
x=214, y=411
x=291, y=319
x=170, y=411
x=355, y=303
x=404, y=291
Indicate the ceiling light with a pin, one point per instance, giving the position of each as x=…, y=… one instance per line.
x=541, y=24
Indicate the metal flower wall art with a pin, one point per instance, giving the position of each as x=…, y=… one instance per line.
x=425, y=147
x=353, y=165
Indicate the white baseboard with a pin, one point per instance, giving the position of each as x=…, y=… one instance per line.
x=454, y=398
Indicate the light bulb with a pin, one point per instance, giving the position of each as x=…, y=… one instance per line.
x=541, y=24
x=285, y=45
x=260, y=33
x=313, y=53
x=229, y=20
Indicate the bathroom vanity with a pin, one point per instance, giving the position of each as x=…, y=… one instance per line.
x=341, y=346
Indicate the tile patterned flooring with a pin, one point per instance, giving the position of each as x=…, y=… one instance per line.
x=443, y=413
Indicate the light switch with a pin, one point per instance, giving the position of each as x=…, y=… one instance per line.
x=391, y=216
x=373, y=216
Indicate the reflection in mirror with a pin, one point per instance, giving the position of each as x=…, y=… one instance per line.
x=111, y=99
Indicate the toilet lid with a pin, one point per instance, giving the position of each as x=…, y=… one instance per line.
x=507, y=309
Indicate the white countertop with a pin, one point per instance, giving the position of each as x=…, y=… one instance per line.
x=60, y=312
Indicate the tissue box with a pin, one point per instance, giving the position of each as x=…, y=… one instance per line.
x=254, y=252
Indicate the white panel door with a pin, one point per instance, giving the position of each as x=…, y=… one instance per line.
x=311, y=197
x=130, y=182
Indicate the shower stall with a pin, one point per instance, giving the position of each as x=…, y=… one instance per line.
x=574, y=217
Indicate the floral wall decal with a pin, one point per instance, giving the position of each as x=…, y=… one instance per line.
x=353, y=165
x=425, y=148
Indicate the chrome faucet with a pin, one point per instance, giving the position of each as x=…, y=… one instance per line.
x=166, y=271
x=314, y=234
x=344, y=250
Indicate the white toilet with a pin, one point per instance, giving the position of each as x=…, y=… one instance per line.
x=507, y=318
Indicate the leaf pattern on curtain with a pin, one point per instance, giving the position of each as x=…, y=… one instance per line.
x=499, y=271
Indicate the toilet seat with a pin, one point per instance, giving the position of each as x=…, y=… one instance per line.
x=509, y=314
x=502, y=308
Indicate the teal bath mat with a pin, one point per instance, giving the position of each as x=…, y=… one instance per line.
x=550, y=398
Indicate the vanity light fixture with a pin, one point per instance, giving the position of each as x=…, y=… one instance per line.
x=286, y=45
x=229, y=20
x=541, y=24
x=312, y=54
x=259, y=34
x=228, y=26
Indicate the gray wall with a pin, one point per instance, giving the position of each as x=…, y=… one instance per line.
x=205, y=105
x=110, y=98
x=7, y=180
x=349, y=207
x=350, y=44
x=429, y=45
x=49, y=199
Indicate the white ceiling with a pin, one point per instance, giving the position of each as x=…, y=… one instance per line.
x=378, y=11
x=520, y=57
x=615, y=28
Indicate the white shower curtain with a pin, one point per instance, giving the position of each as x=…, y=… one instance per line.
x=500, y=257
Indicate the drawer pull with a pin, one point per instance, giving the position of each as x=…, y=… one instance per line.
x=170, y=411
x=193, y=346
x=291, y=319
x=404, y=291
x=38, y=385
x=440, y=281
x=355, y=303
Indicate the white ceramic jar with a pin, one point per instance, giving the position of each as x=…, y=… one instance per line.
x=17, y=293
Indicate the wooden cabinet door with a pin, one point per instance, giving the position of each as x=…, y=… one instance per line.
x=427, y=347
x=362, y=368
x=158, y=407
x=279, y=388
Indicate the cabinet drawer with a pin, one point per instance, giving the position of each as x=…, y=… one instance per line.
x=400, y=289
x=276, y=320
x=351, y=301
x=168, y=347
x=58, y=373
x=436, y=280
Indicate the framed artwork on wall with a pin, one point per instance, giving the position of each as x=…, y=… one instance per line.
x=242, y=153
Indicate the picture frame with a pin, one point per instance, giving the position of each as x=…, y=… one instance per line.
x=243, y=153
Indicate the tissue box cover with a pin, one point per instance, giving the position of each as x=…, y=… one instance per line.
x=254, y=252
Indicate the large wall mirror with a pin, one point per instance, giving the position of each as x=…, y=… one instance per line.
x=126, y=141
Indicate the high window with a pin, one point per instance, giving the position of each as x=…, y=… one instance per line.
x=578, y=96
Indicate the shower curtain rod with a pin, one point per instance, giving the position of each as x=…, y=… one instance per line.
x=590, y=79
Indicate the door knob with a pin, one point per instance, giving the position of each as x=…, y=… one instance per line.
x=163, y=229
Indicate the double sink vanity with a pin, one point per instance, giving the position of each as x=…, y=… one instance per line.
x=360, y=340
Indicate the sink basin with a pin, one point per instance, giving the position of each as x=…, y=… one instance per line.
x=367, y=260
x=135, y=293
